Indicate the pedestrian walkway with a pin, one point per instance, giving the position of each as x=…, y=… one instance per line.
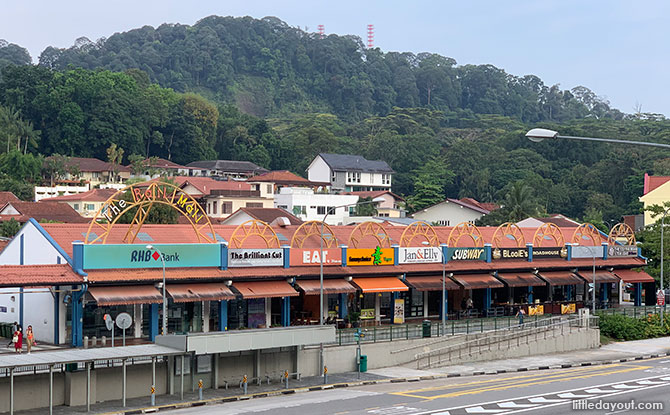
x=5, y=348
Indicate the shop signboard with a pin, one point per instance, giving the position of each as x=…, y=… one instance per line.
x=536, y=310
x=376, y=256
x=367, y=314
x=568, y=308
x=550, y=252
x=422, y=255
x=622, y=250
x=466, y=254
x=305, y=257
x=510, y=253
x=399, y=311
x=579, y=251
x=107, y=256
x=238, y=258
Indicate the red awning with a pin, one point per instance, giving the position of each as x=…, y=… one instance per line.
x=476, y=281
x=380, y=284
x=525, y=279
x=632, y=276
x=331, y=286
x=561, y=277
x=265, y=289
x=601, y=276
x=186, y=293
x=124, y=295
x=431, y=283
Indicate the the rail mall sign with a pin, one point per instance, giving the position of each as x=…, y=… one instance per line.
x=423, y=255
x=376, y=256
x=108, y=256
x=238, y=258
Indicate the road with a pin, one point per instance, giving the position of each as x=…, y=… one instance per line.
x=535, y=393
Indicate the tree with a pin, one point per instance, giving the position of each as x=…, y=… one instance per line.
x=520, y=202
x=366, y=209
x=115, y=157
x=431, y=179
x=9, y=228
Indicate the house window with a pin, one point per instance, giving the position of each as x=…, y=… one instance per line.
x=299, y=210
x=76, y=206
x=443, y=222
x=226, y=207
x=269, y=189
x=353, y=176
x=254, y=205
x=333, y=177
x=386, y=179
x=214, y=208
x=321, y=210
x=90, y=206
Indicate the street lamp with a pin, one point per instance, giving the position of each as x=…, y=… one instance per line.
x=539, y=134
x=665, y=212
x=444, y=287
x=165, y=318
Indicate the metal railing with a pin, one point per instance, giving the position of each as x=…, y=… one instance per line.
x=63, y=367
x=509, y=337
x=636, y=312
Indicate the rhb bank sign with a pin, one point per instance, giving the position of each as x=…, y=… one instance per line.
x=105, y=256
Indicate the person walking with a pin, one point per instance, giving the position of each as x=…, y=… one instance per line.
x=520, y=314
x=15, y=327
x=17, y=339
x=30, y=338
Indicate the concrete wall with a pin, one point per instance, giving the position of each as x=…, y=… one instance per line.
x=447, y=214
x=32, y=391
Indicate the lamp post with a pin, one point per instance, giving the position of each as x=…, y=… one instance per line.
x=165, y=317
x=539, y=134
x=665, y=212
x=444, y=287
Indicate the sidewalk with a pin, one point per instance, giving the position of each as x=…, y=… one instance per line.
x=612, y=353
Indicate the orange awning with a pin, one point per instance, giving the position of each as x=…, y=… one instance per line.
x=601, y=276
x=525, y=279
x=380, y=284
x=431, y=283
x=123, y=295
x=186, y=293
x=561, y=277
x=632, y=276
x=330, y=286
x=477, y=281
x=265, y=289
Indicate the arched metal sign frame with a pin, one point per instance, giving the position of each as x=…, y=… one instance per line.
x=465, y=229
x=254, y=228
x=369, y=228
x=621, y=231
x=313, y=228
x=586, y=231
x=419, y=229
x=143, y=197
x=506, y=230
x=548, y=231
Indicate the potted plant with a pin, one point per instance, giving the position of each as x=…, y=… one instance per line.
x=353, y=318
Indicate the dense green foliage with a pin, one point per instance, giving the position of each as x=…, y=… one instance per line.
x=626, y=328
x=259, y=90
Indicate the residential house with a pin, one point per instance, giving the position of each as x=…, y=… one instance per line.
x=451, y=212
x=268, y=215
x=157, y=167
x=7, y=197
x=64, y=188
x=40, y=211
x=86, y=204
x=96, y=171
x=284, y=178
x=350, y=173
x=656, y=191
x=556, y=218
x=308, y=205
x=391, y=207
x=233, y=169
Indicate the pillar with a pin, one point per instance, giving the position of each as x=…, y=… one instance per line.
x=378, y=304
x=342, y=305
x=268, y=312
x=137, y=317
x=638, y=294
x=223, y=315
x=604, y=293
x=205, y=316
x=529, y=247
x=530, y=295
x=78, y=316
x=153, y=321
x=487, y=299
x=394, y=296
x=568, y=292
x=425, y=304
x=286, y=311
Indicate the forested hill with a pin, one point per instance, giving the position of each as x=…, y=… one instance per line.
x=267, y=68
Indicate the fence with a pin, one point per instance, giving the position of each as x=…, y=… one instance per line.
x=637, y=312
x=515, y=335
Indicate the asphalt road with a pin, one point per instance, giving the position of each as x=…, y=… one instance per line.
x=542, y=392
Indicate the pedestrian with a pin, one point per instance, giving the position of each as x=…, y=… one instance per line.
x=17, y=339
x=30, y=338
x=468, y=303
x=520, y=314
x=15, y=327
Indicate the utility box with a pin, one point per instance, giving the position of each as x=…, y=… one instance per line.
x=426, y=328
x=364, y=363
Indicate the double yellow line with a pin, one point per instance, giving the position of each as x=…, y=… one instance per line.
x=521, y=381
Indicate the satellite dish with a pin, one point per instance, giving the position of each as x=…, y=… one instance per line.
x=109, y=321
x=123, y=321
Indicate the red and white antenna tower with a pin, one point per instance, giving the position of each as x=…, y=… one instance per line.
x=371, y=36
x=322, y=31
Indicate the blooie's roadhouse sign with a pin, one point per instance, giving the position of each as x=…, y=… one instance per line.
x=305, y=257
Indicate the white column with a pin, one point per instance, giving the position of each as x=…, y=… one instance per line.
x=325, y=306
x=137, y=317
x=378, y=303
x=268, y=312
x=205, y=316
x=425, y=304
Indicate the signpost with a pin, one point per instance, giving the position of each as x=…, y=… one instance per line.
x=123, y=321
x=660, y=298
x=109, y=323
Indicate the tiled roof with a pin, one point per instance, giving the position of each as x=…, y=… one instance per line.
x=486, y=206
x=652, y=182
x=7, y=197
x=161, y=163
x=281, y=177
x=373, y=194
x=84, y=164
x=93, y=195
x=268, y=215
x=155, y=274
x=348, y=162
x=228, y=166
x=59, y=212
x=205, y=185
x=38, y=275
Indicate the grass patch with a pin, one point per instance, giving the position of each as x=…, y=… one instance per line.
x=604, y=339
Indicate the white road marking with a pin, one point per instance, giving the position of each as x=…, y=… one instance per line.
x=481, y=410
x=514, y=405
x=542, y=399
x=624, y=386
x=570, y=395
x=649, y=382
x=598, y=390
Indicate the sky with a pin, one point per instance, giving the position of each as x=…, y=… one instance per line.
x=618, y=49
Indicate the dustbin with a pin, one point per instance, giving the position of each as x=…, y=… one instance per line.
x=364, y=363
x=426, y=328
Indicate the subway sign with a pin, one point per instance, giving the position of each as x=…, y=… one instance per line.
x=466, y=254
x=109, y=256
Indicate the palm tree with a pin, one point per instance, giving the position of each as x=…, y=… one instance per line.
x=520, y=202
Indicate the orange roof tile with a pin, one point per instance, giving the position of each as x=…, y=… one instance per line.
x=38, y=275
x=93, y=195
x=653, y=182
x=206, y=185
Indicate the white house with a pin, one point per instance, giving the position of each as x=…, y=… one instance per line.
x=307, y=205
x=451, y=212
x=350, y=173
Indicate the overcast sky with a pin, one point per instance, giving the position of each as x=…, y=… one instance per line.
x=618, y=49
